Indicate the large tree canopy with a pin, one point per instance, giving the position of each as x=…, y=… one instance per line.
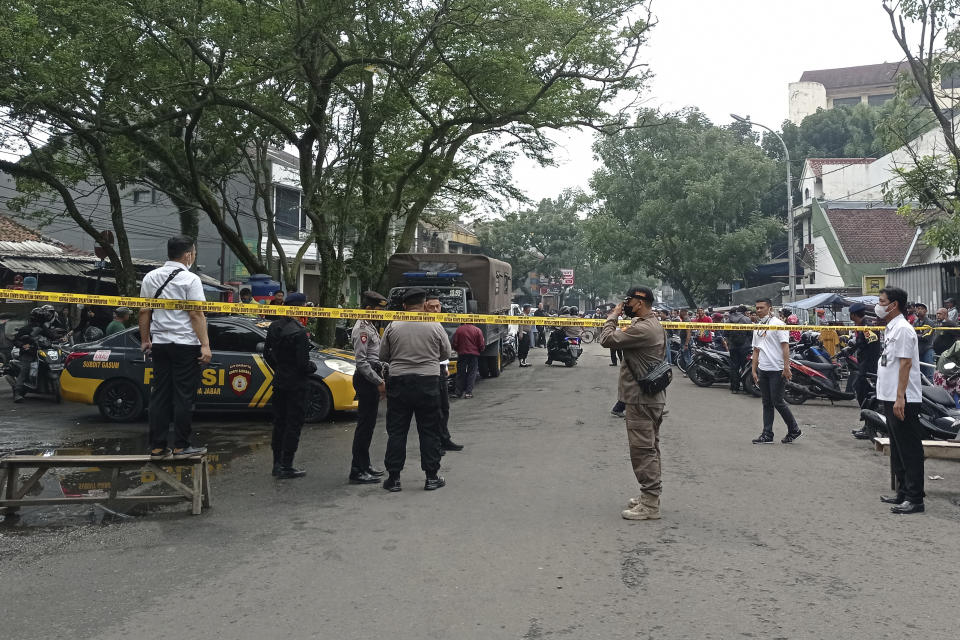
x=681, y=201
x=397, y=110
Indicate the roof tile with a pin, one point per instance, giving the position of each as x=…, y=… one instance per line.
x=816, y=164
x=862, y=76
x=872, y=235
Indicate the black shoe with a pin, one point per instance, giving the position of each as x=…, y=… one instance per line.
x=392, y=483
x=434, y=483
x=765, y=438
x=18, y=398
x=160, y=454
x=906, y=507
x=790, y=437
x=376, y=473
x=614, y=364
x=524, y=365
x=286, y=473
x=450, y=445
x=892, y=499
x=549, y=362
x=862, y=435
x=276, y=468
x=362, y=477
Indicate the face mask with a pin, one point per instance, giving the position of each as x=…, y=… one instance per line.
x=627, y=310
x=881, y=310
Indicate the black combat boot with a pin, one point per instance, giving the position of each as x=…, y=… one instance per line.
x=287, y=470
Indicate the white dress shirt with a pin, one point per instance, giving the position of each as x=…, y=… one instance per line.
x=172, y=326
x=899, y=341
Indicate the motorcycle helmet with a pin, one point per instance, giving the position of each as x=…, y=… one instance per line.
x=92, y=333
x=574, y=311
x=564, y=311
x=38, y=315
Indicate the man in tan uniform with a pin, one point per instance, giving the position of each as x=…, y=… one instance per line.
x=644, y=346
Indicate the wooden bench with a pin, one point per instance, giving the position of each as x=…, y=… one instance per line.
x=14, y=492
x=944, y=449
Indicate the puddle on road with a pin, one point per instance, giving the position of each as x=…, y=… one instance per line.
x=223, y=444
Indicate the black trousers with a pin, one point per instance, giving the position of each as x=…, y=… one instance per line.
x=176, y=376
x=523, y=346
x=23, y=376
x=614, y=354
x=409, y=396
x=368, y=404
x=771, y=391
x=444, y=410
x=738, y=357
x=906, y=450
x=289, y=409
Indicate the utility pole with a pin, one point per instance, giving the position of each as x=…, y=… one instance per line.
x=791, y=249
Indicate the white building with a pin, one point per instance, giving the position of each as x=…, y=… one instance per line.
x=871, y=84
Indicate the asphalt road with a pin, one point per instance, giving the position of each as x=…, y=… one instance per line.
x=525, y=541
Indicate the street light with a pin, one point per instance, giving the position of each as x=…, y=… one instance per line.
x=792, y=267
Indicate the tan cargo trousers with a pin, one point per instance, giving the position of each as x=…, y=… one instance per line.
x=643, y=437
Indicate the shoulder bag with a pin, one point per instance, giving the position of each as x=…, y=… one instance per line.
x=658, y=378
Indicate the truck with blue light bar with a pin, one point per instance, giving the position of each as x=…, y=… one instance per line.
x=465, y=283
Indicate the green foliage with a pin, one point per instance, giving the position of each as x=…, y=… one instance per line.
x=681, y=201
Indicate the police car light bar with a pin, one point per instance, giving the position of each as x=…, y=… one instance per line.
x=432, y=274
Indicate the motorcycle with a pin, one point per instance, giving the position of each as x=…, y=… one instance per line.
x=566, y=349
x=45, y=369
x=814, y=380
x=710, y=366
x=939, y=416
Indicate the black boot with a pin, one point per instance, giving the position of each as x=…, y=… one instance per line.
x=392, y=483
x=287, y=471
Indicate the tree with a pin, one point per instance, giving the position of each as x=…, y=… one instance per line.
x=681, y=201
x=928, y=191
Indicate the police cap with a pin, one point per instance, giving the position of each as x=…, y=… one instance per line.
x=295, y=299
x=414, y=295
x=858, y=309
x=373, y=299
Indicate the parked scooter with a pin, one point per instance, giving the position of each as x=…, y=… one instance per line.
x=710, y=366
x=939, y=415
x=45, y=369
x=814, y=380
x=563, y=348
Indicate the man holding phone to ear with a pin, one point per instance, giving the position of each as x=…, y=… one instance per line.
x=898, y=387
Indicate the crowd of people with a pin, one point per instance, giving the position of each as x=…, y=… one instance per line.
x=406, y=363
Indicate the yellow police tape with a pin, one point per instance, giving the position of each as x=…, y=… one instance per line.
x=237, y=308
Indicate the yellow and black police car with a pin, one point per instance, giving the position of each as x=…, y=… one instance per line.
x=113, y=374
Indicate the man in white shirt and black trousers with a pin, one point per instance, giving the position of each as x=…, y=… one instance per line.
x=771, y=356
x=898, y=387
x=178, y=344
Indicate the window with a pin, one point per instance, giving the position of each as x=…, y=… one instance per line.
x=950, y=80
x=806, y=193
x=143, y=196
x=232, y=337
x=840, y=102
x=286, y=207
x=879, y=100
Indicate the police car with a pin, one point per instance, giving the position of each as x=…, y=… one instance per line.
x=113, y=374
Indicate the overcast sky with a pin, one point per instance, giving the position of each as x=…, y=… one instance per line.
x=733, y=56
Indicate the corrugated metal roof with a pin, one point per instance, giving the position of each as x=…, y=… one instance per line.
x=30, y=246
x=80, y=266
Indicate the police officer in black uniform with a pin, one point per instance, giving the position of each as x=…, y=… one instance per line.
x=369, y=384
x=867, y=347
x=414, y=351
x=287, y=352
